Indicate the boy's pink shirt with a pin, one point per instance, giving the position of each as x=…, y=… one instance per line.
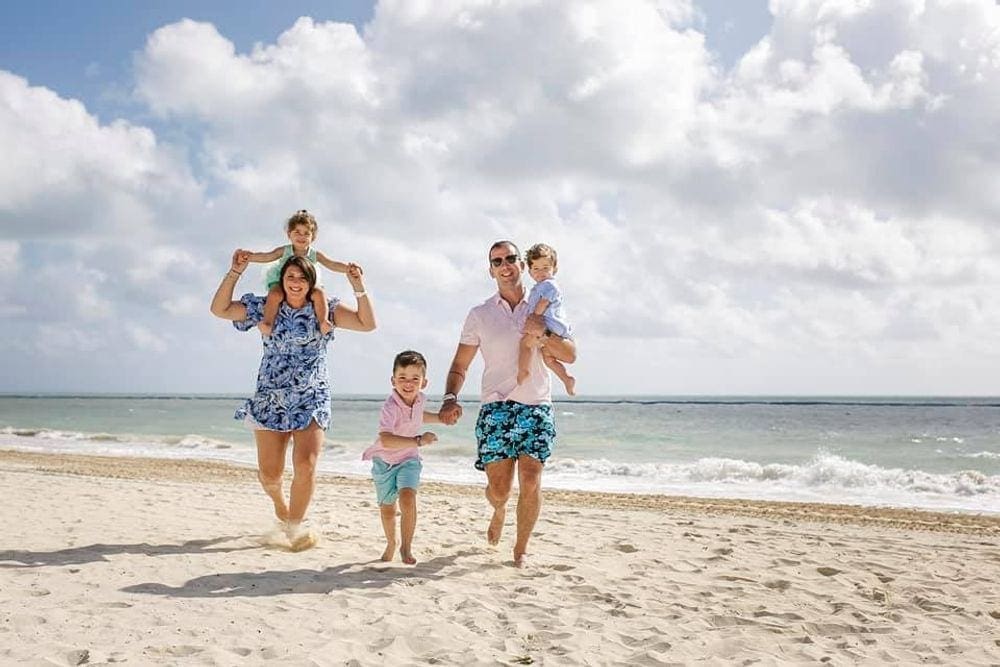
x=398, y=418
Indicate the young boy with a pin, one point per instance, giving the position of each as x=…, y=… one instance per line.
x=394, y=455
x=545, y=299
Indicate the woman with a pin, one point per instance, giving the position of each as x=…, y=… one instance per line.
x=292, y=401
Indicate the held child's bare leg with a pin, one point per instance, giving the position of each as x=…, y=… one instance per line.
x=407, y=523
x=271, y=305
x=322, y=310
x=528, y=344
x=559, y=369
x=388, y=515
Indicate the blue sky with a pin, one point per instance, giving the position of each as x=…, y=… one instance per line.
x=748, y=198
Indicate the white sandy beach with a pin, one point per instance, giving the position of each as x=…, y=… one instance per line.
x=160, y=562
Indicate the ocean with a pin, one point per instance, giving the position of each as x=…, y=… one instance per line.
x=932, y=453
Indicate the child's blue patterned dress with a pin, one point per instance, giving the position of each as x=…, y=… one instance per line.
x=293, y=384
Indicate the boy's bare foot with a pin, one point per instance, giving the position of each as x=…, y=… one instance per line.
x=495, y=528
x=266, y=328
x=570, y=386
x=325, y=327
x=407, y=557
x=390, y=549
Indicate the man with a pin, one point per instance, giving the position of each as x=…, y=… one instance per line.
x=515, y=430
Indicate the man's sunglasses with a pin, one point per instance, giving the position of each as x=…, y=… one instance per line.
x=496, y=262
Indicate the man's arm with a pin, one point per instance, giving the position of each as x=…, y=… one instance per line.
x=563, y=349
x=451, y=410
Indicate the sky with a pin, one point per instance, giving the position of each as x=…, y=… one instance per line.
x=793, y=197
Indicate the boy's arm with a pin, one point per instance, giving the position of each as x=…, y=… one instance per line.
x=431, y=417
x=331, y=264
x=261, y=257
x=542, y=304
x=392, y=441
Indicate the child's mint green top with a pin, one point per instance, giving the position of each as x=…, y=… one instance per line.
x=273, y=275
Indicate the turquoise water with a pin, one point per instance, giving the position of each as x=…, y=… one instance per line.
x=941, y=453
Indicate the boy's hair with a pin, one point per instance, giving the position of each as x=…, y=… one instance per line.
x=409, y=358
x=302, y=217
x=538, y=251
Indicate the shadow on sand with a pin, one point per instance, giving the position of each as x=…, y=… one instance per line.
x=99, y=552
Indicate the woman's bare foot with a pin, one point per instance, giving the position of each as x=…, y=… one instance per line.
x=520, y=561
x=407, y=557
x=495, y=528
x=390, y=550
x=300, y=538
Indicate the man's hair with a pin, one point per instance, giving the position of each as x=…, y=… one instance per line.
x=538, y=251
x=409, y=358
x=497, y=244
x=302, y=217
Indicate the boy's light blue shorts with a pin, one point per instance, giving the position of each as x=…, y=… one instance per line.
x=390, y=479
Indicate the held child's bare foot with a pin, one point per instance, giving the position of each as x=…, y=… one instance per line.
x=325, y=327
x=570, y=383
x=495, y=528
x=266, y=328
x=407, y=557
x=390, y=550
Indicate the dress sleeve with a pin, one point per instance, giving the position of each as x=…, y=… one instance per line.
x=255, y=312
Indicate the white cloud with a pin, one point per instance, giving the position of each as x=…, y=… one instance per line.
x=827, y=204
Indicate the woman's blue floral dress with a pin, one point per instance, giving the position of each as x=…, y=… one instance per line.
x=293, y=385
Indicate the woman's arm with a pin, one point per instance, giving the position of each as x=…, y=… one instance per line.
x=362, y=318
x=331, y=264
x=222, y=303
x=261, y=257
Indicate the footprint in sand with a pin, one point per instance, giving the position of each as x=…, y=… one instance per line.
x=828, y=571
x=626, y=548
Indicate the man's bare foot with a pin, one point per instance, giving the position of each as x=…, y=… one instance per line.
x=520, y=561
x=390, y=550
x=266, y=328
x=325, y=327
x=495, y=528
x=570, y=386
x=407, y=557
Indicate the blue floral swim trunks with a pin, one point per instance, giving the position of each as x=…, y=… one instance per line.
x=508, y=429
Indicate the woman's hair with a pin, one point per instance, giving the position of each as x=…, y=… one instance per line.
x=302, y=217
x=538, y=251
x=409, y=358
x=308, y=270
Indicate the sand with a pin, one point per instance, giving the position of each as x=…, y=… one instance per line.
x=161, y=562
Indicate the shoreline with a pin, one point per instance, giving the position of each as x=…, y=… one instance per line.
x=193, y=470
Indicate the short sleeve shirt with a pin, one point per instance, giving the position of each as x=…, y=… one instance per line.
x=400, y=419
x=496, y=329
